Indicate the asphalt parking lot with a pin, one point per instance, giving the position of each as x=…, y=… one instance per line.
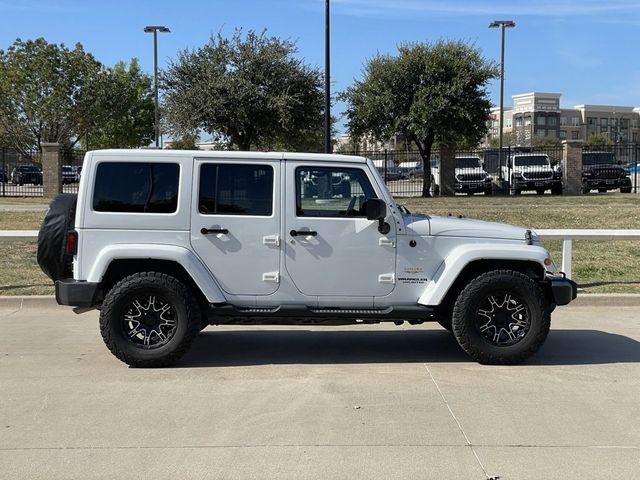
x=363, y=402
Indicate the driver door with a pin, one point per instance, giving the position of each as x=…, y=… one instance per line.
x=343, y=254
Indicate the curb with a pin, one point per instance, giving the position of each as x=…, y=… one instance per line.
x=583, y=300
x=33, y=301
x=606, y=300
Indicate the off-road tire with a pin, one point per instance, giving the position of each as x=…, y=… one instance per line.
x=556, y=190
x=540, y=191
x=464, y=322
x=488, y=191
x=625, y=190
x=602, y=190
x=188, y=319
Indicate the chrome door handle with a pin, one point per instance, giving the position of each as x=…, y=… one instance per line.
x=303, y=233
x=205, y=231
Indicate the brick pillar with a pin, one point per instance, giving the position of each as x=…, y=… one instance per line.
x=447, y=170
x=51, y=169
x=572, y=167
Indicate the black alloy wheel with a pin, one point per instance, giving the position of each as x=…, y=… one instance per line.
x=502, y=319
x=149, y=321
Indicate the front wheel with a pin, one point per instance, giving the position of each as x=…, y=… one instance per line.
x=149, y=319
x=501, y=317
x=625, y=190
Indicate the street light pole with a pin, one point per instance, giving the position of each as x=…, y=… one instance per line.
x=327, y=78
x=155, y=29
x=502, y=24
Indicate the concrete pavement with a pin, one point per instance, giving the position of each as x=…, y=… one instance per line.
x=362, y=402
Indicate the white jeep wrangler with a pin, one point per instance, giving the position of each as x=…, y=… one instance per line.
x=165, y=243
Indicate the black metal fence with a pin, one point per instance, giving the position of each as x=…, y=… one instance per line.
x=515, y=170
x=21, y=172
x=71, y=166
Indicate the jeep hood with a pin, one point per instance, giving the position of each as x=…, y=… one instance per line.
x=461, y=227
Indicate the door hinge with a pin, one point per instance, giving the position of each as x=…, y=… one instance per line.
x=387, y=278
x=272, y=277
x=386, y=242
x=273, y=240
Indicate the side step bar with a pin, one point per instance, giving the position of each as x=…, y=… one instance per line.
x=302, y=315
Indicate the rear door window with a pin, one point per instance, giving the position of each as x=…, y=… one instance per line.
x=234, y=189
x=136, y=187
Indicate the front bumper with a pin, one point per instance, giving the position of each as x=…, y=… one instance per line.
x=608, y=183
x=564, y=290
x=466, y=187
x=76, y=293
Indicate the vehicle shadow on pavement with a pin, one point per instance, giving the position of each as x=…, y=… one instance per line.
x=298, y=346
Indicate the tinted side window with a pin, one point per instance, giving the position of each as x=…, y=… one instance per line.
x=136, y=187
x=332, y=192
x=229, y=189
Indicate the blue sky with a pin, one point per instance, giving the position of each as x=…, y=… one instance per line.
x=585, y=49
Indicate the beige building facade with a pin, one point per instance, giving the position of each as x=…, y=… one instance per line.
x=538, y=114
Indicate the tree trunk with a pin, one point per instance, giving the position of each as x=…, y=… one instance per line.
x=425, y=153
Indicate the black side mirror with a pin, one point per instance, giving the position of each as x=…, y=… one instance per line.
x=377, y=210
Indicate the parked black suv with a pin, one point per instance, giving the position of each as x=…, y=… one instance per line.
x=27, y=174
x=601, y=171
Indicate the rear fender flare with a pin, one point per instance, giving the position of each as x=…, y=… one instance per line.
x=201, y=276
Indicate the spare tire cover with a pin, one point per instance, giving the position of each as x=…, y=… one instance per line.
x=52, y=238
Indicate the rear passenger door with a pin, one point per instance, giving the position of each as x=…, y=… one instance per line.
x=235, y=223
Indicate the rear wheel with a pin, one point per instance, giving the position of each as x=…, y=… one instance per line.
x=501, y=317
x=149, y=319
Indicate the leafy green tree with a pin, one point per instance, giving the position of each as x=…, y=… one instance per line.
x=47, y=93
x=546, y=141
x=597, y=141
x=249, y=90
x=508, y=139
x=126, y=106
x=429, y=92
x=188, y=141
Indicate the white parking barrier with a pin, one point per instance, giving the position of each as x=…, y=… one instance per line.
x=567, y=237
x=17, y=235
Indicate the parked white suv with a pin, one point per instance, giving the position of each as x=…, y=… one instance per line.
x=531, y=171
x=167, y=242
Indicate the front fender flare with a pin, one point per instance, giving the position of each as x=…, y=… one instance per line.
x=461, y=256
x=194, y=267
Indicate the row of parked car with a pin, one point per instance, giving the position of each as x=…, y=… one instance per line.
x=32, y=174
x=523, y=172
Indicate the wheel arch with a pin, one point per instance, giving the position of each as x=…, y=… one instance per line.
x=118, y=261
x=451, y=277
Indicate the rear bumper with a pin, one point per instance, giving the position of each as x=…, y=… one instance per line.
x=76, y=293
x=564, y=290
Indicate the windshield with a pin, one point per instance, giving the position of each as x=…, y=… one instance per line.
x=599, y=158
x=531, y=160
x=467, y=162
